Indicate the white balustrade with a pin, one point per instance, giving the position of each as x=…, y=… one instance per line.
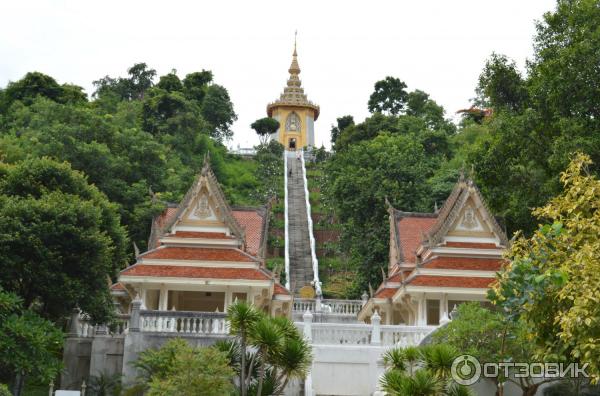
x=342, y=307
x=191, y=323
x=341, y=333
x=337, y=307
x=401, y=335
x=362, y=333
x=304, y=304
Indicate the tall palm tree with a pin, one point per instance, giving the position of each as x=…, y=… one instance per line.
x=242, y=316
x=438, y=359
x=267, y=337
x=293, y=361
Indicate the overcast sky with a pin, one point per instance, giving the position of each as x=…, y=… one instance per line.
x=344, y=47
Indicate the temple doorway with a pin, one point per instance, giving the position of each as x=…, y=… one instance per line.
x=292, y=145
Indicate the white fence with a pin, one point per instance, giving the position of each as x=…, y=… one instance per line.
x=182, y=322
x=328, y=306
x=361, y=333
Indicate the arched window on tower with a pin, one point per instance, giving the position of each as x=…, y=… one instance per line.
x=292, y=124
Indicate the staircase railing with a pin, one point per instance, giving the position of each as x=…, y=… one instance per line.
x=286, y=219
x=315, y=262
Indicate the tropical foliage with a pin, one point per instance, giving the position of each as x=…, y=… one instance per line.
x=421, y=371
x=51, y=223
x=180, y=369
x=553, y=280
x=29, y=344
x=278, y=351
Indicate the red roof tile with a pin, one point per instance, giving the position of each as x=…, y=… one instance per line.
x=117, y=286
x=399, y=276
x=452, y=281
x=465, y=263
x=281, y=290
x=172, y=271
x=195, y=234
x=387, y=292
x=410, y=231
x=197, y=253
x=471, y=245
x=159, y=223
x=252, y=223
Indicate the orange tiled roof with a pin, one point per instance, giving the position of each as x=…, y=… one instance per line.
x=399, y=276
x=252, y=223
x=451, y=281
x=281, y=290
x=471, y=245
x=173, y=271
x=117, y=286
x=196, y=253
x=465, y=263
x=410, y=231
x=195, y=234
x=159, y=223
x=387, y=292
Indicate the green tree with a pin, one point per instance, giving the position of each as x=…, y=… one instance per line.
x=140, y=80
x=170, y=82
x=501, y=85
x=35, y=84
x=491, y=338
x=388, y=97
x=264, y=128
x=281, y=352
x=543, y=117
x=242, y=316
x=559, y=263
x=217, y=110
x=60, y=239
x=29, y=345
x=342, y=123
x=360, y=178
x=196, y=84
x=421, y=371
x=181, y=370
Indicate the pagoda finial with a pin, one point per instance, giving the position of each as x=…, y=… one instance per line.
x=206, y=164
x=294, y=67
x=295, y=38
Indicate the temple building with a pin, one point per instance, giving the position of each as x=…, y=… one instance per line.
x=295, y=113
x=202, y=256
x=438, y=260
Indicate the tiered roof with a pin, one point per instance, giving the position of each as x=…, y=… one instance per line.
x=202, y=238
x=458, y=247
x=293, y=94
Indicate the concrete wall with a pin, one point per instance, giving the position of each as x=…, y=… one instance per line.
x=346, y=369
x=76, y=361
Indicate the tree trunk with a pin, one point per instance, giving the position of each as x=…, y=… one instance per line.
x=530, y=390
x=261, y=376
x=243, y=365
x=18, y=385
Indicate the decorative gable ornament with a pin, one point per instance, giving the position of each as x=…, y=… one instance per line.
x=202, y=210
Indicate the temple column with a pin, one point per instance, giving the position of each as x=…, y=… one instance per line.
x=228, y=301
x=162, y=299
x=421, y=311
x=444, y=308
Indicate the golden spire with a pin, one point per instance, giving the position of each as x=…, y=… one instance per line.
x=293, y=93
x=294, y=67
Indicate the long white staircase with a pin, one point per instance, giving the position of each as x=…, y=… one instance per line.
x=301, y=264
